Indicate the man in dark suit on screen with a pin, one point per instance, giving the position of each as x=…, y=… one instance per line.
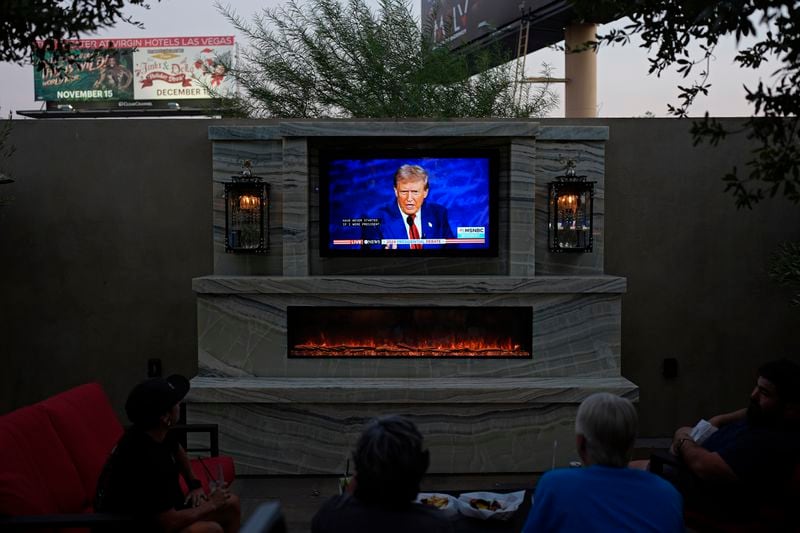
x=405, y=220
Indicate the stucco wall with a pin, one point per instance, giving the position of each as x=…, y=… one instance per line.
x=698, y=288
x=110, y=220
x=108, y=223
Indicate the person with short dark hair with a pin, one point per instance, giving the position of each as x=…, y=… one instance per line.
x=140, y=478
x=750, y=457
x=604, y=495
x=390, y=461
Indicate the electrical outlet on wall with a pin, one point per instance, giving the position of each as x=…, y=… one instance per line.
x=669, y=368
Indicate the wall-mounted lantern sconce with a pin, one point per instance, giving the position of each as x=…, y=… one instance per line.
x=246, y=213
x=570, y=210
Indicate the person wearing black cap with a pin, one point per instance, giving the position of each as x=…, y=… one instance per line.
x=140, y=477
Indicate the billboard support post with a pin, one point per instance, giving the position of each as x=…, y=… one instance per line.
x=580, y=67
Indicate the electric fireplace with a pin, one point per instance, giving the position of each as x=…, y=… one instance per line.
x=409, y=331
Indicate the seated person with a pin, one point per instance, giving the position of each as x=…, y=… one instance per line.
x=604, y=495
x=752, y=455
x=389, y=464
x=140, y=478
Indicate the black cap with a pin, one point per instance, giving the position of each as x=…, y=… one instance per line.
x=151, y=398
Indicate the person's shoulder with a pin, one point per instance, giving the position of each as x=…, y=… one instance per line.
x=433, y=206
x=336, y=502
x=329, y=511
x=428, y=511
x=425, y=518
x=653, y=481
x=131, y=441
x=561, y=476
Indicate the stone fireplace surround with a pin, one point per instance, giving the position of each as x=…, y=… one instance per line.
x=281, y=415
x=319, y=331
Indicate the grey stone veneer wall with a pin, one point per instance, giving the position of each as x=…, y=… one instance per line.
x=108, y=222
x=295, y=190
x=242, y=324
x=242, y=319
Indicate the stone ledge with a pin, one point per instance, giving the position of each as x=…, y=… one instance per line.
x=409, y=285
x=426, y=128
x=375, y=128
x=405, y=390
x=573, y=133
x=275, y=130
x=264, y=132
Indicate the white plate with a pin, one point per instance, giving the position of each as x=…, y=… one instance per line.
x=451, y=509
x=510, y=503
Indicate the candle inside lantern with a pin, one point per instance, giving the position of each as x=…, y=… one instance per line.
x=569, y=201
x=249, y=201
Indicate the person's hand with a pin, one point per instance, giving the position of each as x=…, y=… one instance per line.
x=196, y=497
x=680, y=433
x=219, y=497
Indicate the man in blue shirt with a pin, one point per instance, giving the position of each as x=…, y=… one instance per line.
x=605, y=495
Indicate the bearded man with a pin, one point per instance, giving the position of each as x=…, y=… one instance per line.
x=752, y=455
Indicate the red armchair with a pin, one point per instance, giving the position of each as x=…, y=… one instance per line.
x=51, y=455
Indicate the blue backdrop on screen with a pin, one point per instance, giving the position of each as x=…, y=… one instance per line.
x=359, y=186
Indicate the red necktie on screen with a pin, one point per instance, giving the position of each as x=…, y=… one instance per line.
x=412, y=232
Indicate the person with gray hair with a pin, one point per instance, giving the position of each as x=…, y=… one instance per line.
x=390, y=460
x=404, y=219
x=605, y=495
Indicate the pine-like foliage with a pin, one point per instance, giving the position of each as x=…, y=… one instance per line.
x=326, y=58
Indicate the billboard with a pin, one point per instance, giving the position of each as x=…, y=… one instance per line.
x=143, y=72
x=477, y=23
x=467, y=20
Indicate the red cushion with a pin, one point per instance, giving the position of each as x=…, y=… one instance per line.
x=37, y=475
x=206, y=469
x=88, y=427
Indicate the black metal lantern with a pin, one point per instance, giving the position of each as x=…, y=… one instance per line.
x=570, y=210
x=246, y=213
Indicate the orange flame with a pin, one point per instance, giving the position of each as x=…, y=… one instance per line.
x=381, y=348
x=249, y=201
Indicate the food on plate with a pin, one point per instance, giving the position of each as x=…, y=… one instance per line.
x=485, y=505
x=437, y=501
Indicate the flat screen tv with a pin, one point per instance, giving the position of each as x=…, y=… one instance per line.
x=412, y=203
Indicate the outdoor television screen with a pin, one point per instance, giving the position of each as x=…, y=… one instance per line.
x=409, y=204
